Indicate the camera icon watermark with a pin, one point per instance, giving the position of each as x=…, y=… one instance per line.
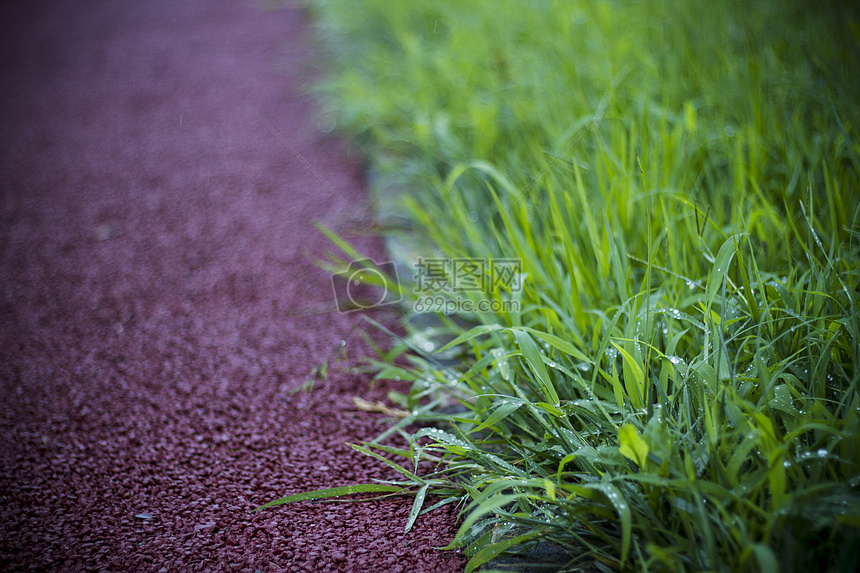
x=366, y=284
x=441, y=285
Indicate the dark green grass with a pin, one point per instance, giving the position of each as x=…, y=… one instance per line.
x=677, y=390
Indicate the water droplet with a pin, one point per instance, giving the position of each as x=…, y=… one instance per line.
x=327, y=123
x=473, y=216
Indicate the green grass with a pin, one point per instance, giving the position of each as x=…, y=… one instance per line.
x=678, y=390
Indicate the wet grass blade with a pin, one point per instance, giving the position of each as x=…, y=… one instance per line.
x=416, y=507
x=334, y=492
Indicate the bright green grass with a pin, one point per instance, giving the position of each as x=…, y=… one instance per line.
x=681, y=183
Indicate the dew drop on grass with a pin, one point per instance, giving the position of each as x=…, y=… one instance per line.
x=327, y=124
x=473, y=216
x=822, y=453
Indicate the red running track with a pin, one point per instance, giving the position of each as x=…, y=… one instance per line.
x=159, y=299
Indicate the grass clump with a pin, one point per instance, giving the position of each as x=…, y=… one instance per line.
x=670, y=384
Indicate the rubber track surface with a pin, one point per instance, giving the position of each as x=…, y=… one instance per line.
x=159, y=299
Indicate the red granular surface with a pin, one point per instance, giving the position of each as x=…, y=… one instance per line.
x=159, y=299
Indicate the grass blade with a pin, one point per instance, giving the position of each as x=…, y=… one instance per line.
x=416, y=506
x=334, y=492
